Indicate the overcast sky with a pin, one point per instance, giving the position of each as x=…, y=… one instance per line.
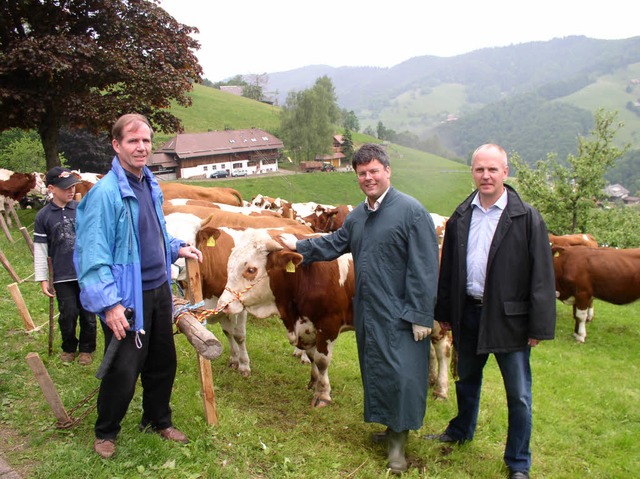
x=251, y=36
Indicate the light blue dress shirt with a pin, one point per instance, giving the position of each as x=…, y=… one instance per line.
x=483, y=226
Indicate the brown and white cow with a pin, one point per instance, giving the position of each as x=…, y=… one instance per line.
x=330, y=219
x=579, y=239
x=249, y=210
x=87, y=181
x=313, y=301
x=229, y=196
x=283, y=207
x=213, y=230
x=15, y=185
x=583, y=273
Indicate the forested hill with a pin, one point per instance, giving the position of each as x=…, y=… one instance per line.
x=535, y=98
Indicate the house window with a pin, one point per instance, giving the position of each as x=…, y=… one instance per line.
x=205, y=168
x=237, y=165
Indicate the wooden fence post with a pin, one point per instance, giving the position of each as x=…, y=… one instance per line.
x=8, y=267
x=14, y=215
x=22, y=307
x=27, y=238
x=48, y=388
x=5, y=228
x=204, y=365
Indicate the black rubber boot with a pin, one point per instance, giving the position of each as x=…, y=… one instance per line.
x=379, y=437
x=395, y=450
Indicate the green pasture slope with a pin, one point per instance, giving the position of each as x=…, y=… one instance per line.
x=437, y=183
x=586, y=413
x=586, y=396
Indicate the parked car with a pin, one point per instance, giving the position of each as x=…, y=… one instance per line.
x=219, y=174
x=239, y=173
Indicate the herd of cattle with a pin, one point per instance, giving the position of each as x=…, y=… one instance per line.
x=246, y=269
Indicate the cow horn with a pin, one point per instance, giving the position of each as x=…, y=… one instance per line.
x=273, y=245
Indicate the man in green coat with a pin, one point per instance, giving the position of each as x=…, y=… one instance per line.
x=395, y=252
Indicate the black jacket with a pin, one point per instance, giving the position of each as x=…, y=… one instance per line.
x=519, y=295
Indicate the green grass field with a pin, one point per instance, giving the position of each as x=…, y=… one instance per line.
x=586, y=396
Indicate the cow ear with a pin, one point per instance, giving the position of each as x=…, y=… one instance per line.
x=287, y=260
x=208, y=234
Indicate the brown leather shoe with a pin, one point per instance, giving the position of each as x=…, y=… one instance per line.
x=85, y=359
x=66, y=357
x=105, y=448
x=173, y=434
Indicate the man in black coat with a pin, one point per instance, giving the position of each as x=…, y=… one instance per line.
x=497, y=291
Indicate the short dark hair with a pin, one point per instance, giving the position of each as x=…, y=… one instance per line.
x=369, y=152
x=117, y=132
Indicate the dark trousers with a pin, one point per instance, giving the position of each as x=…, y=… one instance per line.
x=154, y=361
x=68, y=295
x=516, y=375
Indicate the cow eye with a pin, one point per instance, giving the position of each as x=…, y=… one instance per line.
x=252, y=270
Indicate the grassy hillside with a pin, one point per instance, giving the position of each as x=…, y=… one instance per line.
x=610, y=92
x=586, y=415
x=213, y=109
x=420, y=109
x=438, y=183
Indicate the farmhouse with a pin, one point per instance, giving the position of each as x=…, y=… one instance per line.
x=336, y=156
x=199, y=155
x=616, y=192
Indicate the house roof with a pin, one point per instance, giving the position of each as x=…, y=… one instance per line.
x=193, y=145
x=164, y=160
x=616, y=191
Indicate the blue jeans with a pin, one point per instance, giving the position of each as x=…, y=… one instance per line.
x=516, y=375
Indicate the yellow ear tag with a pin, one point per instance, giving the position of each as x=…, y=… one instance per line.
x=211, y=241
x=290, y=267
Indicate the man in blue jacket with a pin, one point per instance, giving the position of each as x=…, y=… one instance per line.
x=497, y=291
x=123, y=257
x=395, y=254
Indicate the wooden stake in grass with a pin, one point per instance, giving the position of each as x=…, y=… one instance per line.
x=27, y=238
x=204, y=365
x=14, y=215
x=22, y=307
x=5, y=228
x=8, y=267
x=48, y=389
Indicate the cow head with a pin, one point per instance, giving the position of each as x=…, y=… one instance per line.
x=248, y=284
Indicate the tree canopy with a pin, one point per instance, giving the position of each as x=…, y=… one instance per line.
x=564, y=195
x=308, y=119
x=83, y=63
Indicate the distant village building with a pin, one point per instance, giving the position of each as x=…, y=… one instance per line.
x=336, y=156
x=233, y=89
x=616, y=192
x=198, y=155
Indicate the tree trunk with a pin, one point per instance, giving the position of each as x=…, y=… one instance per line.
x=49, y=133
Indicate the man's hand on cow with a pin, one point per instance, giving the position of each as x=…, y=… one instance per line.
x=420, y=332
x=289, y=240
x=189, y=251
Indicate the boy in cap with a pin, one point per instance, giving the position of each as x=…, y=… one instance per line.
x=54, y=236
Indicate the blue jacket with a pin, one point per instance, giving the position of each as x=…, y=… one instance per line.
x=107, y=250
